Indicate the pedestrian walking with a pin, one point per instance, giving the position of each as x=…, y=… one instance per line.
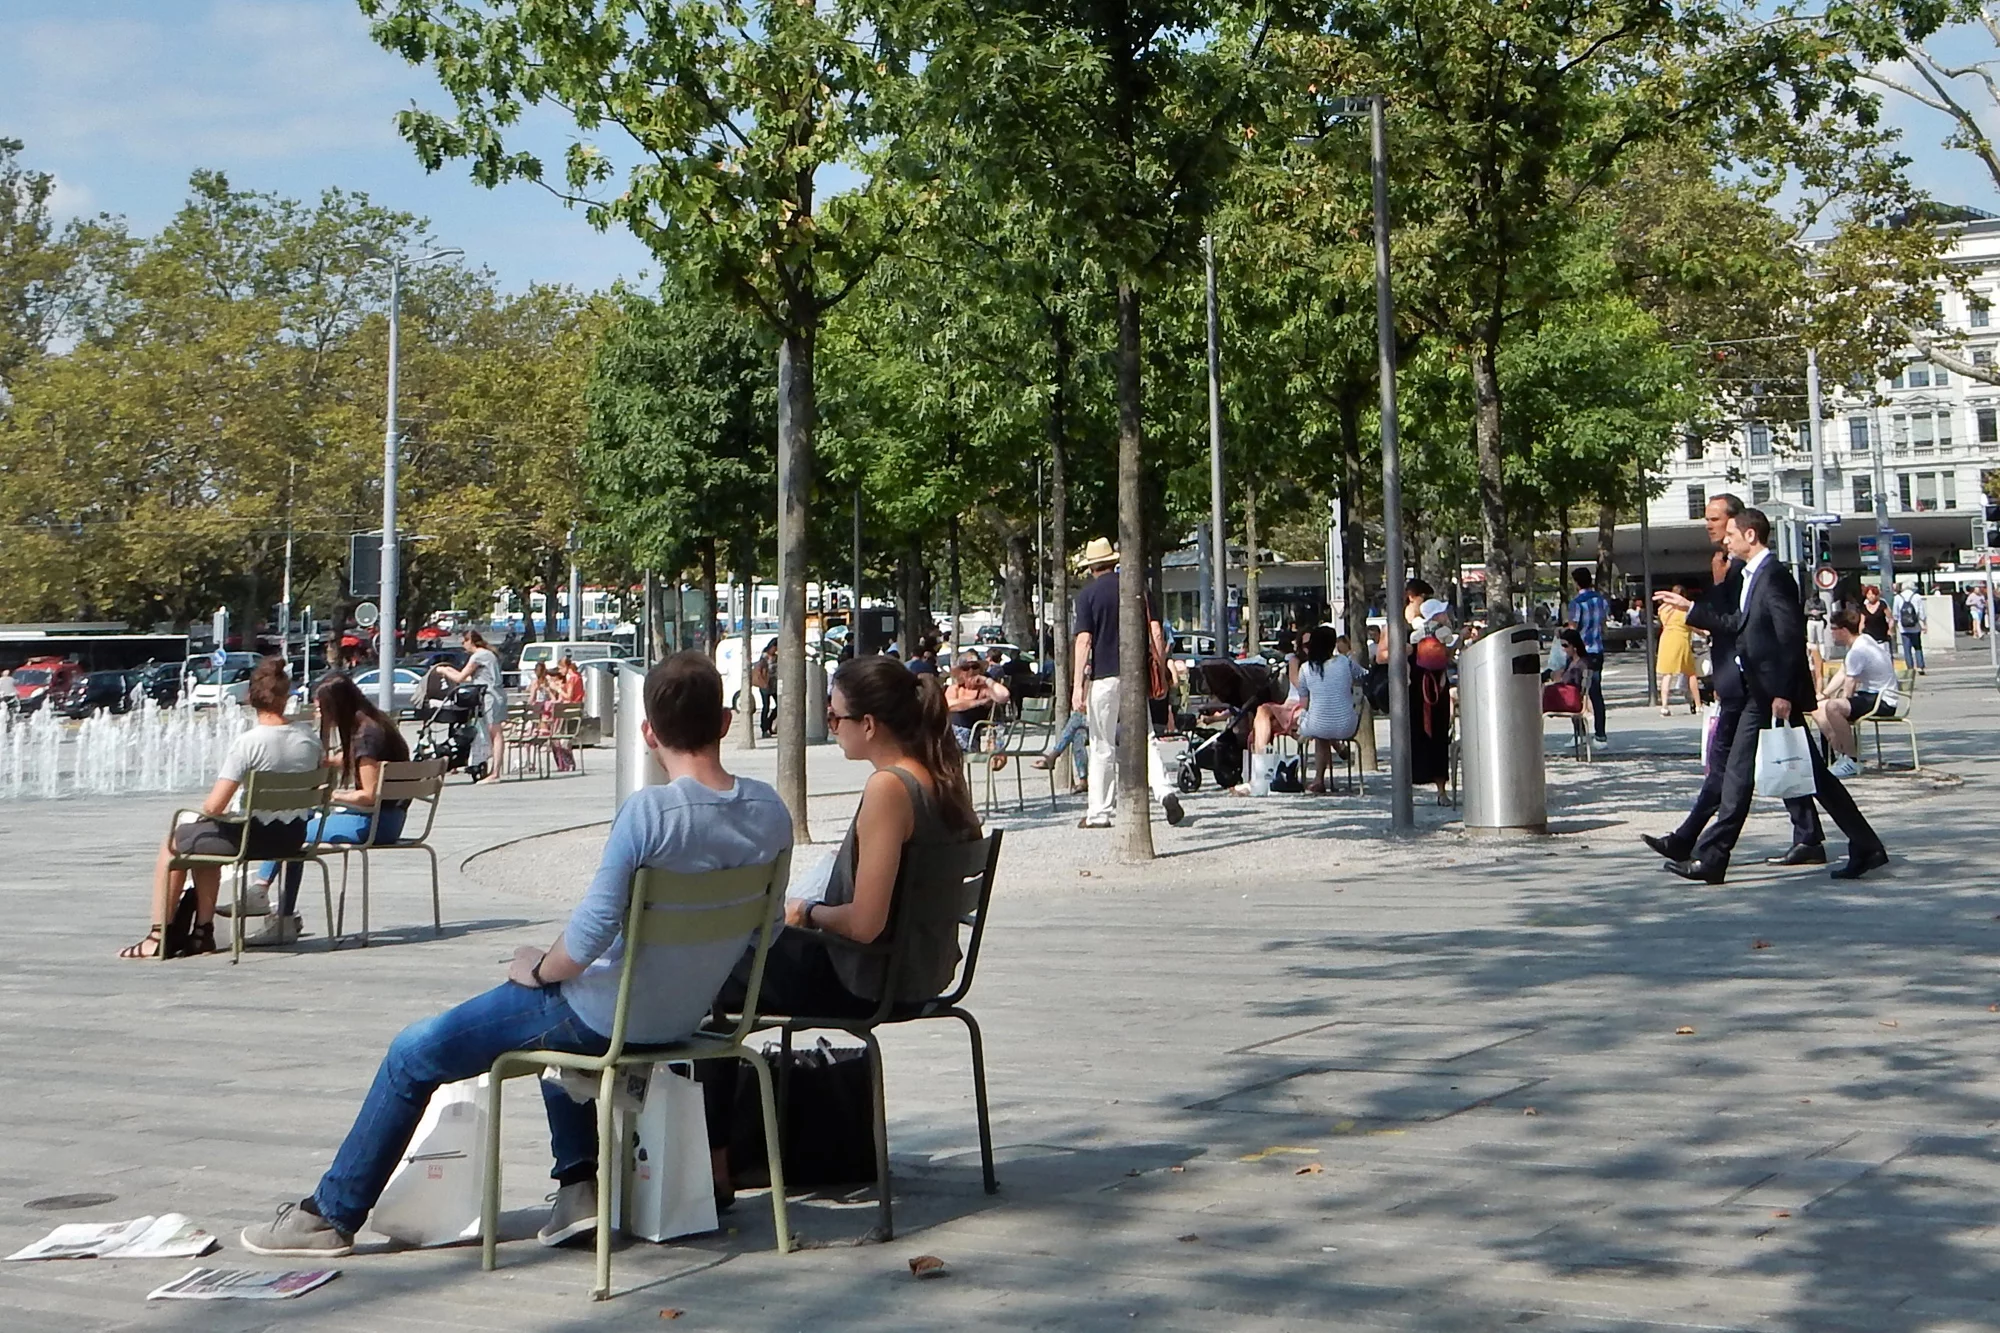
x=1769, y=630
x=1975, y=609
x=1095, y=693
x=1911, y=620
x=1674, y=664
x=1587, y=612
x=1875, y=615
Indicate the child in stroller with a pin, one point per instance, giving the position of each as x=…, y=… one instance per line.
x=1226, y=695
x=448, y=724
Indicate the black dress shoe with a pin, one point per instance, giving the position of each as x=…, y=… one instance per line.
x=1800, y=854
x=1859, y=863
x=1667, y=847
x=1698, y=871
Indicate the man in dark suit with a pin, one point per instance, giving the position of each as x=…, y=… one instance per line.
x=1719, y=615
x=1777, y=685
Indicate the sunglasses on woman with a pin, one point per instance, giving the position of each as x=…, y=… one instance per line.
x=833, y=719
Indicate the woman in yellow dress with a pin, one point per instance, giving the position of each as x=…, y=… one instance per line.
x=1675, y=661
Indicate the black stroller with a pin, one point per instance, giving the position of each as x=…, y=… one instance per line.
x=1235, y=690
x=448, y=724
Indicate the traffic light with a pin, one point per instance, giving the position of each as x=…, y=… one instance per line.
x=1822, y=545
x=1992, y=522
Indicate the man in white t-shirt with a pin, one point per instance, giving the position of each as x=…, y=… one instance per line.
x=1867, y=681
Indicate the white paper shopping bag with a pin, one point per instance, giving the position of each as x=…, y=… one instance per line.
x=434, y=1196
x=1784, y=763
x=669, y=1183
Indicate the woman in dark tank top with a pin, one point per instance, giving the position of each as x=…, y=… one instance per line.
x=895, y=720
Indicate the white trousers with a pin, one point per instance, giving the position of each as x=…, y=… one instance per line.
x=1102, y=716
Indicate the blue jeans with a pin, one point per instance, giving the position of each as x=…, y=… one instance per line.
x=1913, y=648
x=458, y=1044
x=1076, y=737
x=348, y=826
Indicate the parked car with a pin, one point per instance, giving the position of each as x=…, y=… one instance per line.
x=41, y=679
x=99, y=689
x=207, y=684
x=158, y=681
x=407, y=685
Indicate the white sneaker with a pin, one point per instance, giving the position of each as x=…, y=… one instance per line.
x=276, y=932
x=1847, y=766
x=256, y=901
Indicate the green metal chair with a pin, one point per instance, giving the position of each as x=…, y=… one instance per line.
x=309, y=793
x=419, y=781
x=1895, y=715
x=938, y=883
x=667, y=908
x=1019, y=738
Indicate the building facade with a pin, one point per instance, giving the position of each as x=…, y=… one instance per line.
x=1927, y=440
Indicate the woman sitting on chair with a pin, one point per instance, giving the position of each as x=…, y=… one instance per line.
x=1326, y=686
x=358, y=736
x=882, y=713
x=272, y=746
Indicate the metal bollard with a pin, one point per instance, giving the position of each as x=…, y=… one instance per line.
x=816, y=688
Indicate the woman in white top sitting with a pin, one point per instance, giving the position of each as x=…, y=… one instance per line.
x=1326, y=687
x=272, y=746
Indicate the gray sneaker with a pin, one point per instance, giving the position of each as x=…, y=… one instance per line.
x=276, y=932
x=297, y=1233
x=256, y=900
x=574, y=1213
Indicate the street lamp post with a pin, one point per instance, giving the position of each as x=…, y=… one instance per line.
x=1215, y=583
x=385, y=665
x=1402, y=816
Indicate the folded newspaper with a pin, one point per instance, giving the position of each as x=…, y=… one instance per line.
x=169, y=1236
x=241, y=1284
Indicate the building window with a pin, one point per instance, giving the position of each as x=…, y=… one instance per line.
x=1864, y=494
x=1899, y=432
x=1948, y=489
x=1920, y=432
x=1944, y=432
x=1988, y=420
x=1982, y=356
x=1806, y=492
x=1975, y=311
x=1857, y=434
x=1760, y=492
x=1697, y=500
x=1694, y=446
x=1760, y=440
x=1903, y=490
x=1896, y=380
x=1927, y=492
x=1918, y=376
x=1940, y=377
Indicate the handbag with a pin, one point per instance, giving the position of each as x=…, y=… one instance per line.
x=1286, y=777
x=826, y=1119
x=1784, y=762
x=433, y=1197
x=1375, y=689
x=1562, y=697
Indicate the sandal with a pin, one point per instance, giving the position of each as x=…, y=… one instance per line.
x=147, y=948
x=1043, y=762
x=201, y=938
x=999, y=761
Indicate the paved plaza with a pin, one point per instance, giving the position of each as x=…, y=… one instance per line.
x=1295, y=1074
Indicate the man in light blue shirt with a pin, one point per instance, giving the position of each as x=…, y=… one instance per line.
x=1587, y=612
x=563, y=998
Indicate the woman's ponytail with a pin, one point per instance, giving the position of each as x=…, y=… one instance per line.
x=911, y=706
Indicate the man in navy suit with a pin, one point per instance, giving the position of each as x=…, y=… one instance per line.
x=1777, y=686
x=1719, y=614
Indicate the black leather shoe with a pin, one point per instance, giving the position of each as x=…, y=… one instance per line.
x=1859, y=863
x=1696, y=871
x=1667, y=847
x=1800, y=854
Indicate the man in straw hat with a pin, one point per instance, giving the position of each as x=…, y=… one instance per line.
x=1095, y=690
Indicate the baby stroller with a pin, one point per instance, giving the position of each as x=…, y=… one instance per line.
x=1236, y=690
x=448, y=724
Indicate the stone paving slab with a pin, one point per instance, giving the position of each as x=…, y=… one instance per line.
x=1475, y=1043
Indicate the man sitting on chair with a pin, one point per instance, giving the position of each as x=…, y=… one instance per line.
x=563, y=998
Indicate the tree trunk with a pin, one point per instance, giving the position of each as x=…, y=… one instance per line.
x=1353, y=549
x=1562, y=548
x=1017, y=619
x=1058, y=610
x=1492, y=494
x=1135, y=734
x=797, y=415
x=906, y=602
x=957, y=591
x=1607, y=548
x=1253, y=629
x=711, y=636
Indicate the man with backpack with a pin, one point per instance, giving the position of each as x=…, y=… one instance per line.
x=1912, y=621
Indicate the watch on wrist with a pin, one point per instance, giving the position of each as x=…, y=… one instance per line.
x=536, y=970
x=809, y=916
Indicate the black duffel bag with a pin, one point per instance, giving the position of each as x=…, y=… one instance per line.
x=826, y=1126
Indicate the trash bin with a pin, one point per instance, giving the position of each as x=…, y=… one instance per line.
x=815, y=700
x=636, y=767
x=1500, y=732
x=600, y=703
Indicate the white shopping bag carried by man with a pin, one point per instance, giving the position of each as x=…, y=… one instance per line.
x=669, y=1182
x=1784, y=763
x=434, y=1196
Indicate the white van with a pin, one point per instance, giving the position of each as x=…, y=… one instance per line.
x=587, y=650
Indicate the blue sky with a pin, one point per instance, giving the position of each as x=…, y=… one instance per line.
x=122, y=99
